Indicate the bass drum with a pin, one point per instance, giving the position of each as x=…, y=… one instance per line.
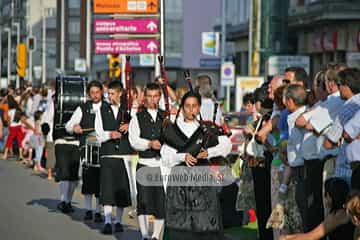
x=70, y=93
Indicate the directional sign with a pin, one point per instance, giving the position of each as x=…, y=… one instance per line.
x=126, y=46
x=108, y=26
x=126, y=6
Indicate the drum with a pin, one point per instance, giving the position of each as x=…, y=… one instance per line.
x=91, y=166
x=70, y=93
x=92, y=151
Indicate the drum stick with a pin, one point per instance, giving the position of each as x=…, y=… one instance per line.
x=88, y=129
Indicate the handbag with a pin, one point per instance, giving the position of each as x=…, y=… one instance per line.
x=253, y=151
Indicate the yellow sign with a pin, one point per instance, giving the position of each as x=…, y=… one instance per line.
x=21, y=61
x=250, y=83
x=126, y=6
x=246, y=84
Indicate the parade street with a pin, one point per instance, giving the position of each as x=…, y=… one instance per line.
x=28, y=210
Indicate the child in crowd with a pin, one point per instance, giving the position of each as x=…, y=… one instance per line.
x=37, y=142
x=17, y=117
x=248, y=106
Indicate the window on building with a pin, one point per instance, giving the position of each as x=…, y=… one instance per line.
x=74, y=26
x=74, y=4
x=73, y=53
x=174, y=9
x=174, y=38
x=301, y=2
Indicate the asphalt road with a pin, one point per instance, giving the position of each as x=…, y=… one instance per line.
x=28, y=210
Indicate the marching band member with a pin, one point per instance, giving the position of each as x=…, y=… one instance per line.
x=82, y=123
x=192, y=212
x=111, y=130
x=67, y=164
x=144, y=136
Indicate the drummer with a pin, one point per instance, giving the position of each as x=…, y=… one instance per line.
x=82, y=123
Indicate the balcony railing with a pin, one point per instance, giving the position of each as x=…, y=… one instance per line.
x=324, y=10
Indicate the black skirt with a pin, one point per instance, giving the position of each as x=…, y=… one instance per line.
x=91, y=180
x=150, y=199
x=67, y=162
x=114, y=183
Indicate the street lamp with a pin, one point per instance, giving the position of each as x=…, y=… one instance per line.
x=17, y=25
x=8, y=30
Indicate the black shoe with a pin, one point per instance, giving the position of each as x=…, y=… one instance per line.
x=69, y=206
x=88, y=216
x=154, y=239
x=98, y=218
x=118, y=227
x=63, y=207
x=107, y=230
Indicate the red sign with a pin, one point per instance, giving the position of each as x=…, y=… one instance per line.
x=329, y=41
x=126, y=46
x=108, y=26
x=126, y=6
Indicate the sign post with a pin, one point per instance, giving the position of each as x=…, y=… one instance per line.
x=227, y=80
x=136, y=28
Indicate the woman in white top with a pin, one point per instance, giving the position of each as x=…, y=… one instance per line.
x=193, y=211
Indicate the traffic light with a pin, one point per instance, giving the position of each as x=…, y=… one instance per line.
x=114, y=66
x=21, y=60
x=31, y=43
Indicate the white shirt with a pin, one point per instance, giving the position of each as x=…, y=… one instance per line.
x=170, y=156
x=77, y=116
x=12, y=117
x=207, y=111
x=353, y=151
x=101, y=134
x=142, y=144
x=35, y=104
x=48, y=117
x=296, y=136
x=352, y=127
x=28, y=107
x=324, y=114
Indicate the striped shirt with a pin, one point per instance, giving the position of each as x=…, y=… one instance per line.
x=350, y=107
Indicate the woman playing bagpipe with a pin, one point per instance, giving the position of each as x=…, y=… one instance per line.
x=193, y=147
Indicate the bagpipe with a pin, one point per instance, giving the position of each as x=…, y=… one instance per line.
x=205, y=136
x=164, y=86
x=128, y=98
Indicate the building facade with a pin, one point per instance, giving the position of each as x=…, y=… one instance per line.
x=327, y=31
x=30, y=16
x=182, y=42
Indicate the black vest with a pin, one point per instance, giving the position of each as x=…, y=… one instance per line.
x=150, y=130
x=87, y=120
x=205, y=136
x=110, y=123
